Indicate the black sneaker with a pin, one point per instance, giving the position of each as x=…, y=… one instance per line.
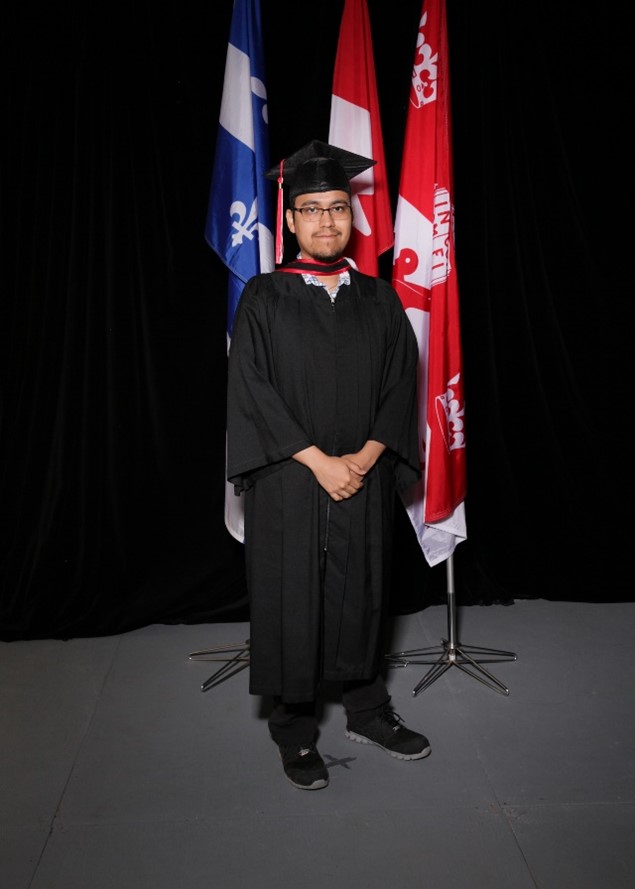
x=386, y=730
x=304, y=766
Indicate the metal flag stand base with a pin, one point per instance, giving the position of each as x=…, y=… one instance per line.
x=236, y=660
x=467, y=658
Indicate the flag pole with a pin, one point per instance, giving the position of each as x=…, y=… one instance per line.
x=236, y=659
x=239, y=225
x=468, y=658
x=425, y=277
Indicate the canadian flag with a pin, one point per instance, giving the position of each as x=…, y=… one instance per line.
x=355, y=125
x=424, y=275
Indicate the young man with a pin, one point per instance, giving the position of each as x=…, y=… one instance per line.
x=322, y=430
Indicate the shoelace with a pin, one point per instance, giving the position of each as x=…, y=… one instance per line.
x=392, y=718
x=300, y=751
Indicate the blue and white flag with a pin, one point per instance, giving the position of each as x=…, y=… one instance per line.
x=239, y=226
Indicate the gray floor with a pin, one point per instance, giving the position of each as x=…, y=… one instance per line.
x=119, y=772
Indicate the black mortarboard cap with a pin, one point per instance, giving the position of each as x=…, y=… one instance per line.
x=319, y=166
x=315, y=167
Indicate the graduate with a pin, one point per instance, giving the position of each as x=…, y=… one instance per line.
x=322, y=433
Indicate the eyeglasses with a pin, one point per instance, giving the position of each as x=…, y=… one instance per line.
x=315, y=214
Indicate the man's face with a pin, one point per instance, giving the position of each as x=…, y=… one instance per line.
x=321, y=237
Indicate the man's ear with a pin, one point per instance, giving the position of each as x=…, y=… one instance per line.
x=290, y=220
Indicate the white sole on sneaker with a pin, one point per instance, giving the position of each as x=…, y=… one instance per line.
x=360, y=739
x=318, y=784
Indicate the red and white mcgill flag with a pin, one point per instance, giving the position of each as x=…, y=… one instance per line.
x=355, y=125
x=424, y=275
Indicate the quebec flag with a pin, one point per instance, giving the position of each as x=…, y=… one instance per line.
x=239, y=226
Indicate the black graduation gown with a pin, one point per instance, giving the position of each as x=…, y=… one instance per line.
x=303, y=371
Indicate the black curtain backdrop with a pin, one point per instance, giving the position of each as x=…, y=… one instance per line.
x=113, y=361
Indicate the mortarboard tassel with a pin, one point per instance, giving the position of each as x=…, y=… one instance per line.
x=279, y=211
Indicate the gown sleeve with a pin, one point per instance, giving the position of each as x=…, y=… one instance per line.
x=262, y=432
x=396, y=420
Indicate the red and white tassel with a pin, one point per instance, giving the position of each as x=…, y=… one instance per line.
x=279, y=212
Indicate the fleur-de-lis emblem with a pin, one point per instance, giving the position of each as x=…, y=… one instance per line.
x=245, y=226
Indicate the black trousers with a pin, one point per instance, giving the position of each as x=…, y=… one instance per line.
x=296, y=723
